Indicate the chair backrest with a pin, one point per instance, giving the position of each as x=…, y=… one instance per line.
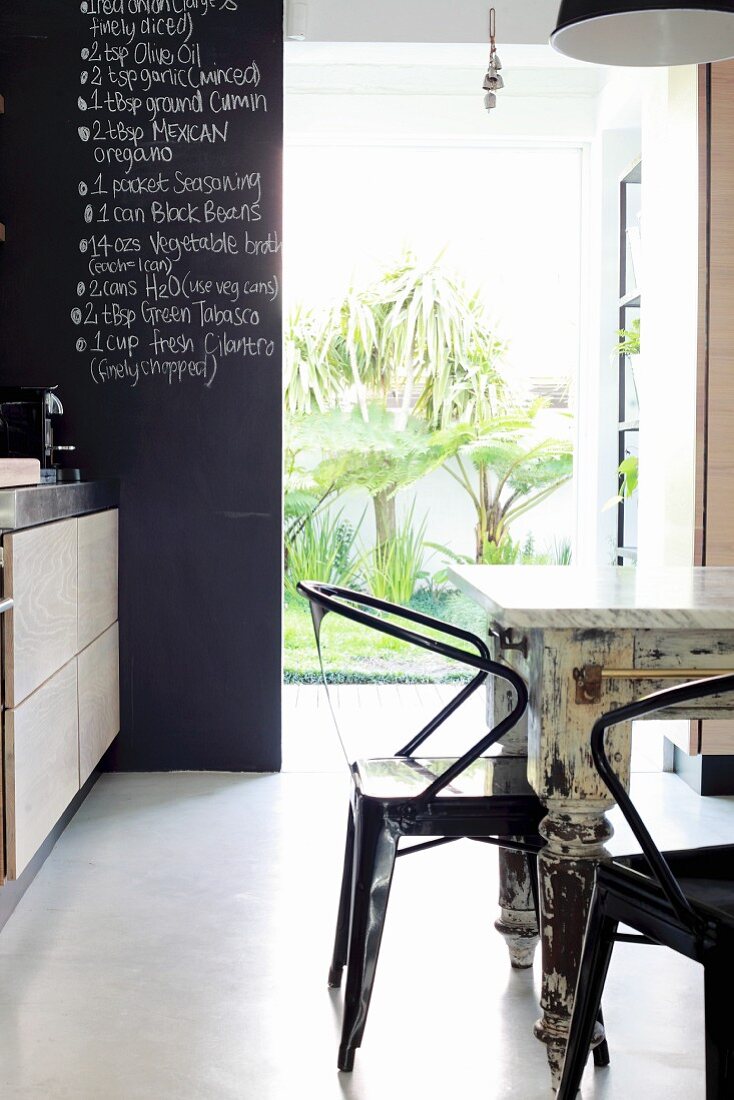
x=326, y=598
x=660, y=700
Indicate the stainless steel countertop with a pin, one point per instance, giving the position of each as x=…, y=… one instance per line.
x=30, y=505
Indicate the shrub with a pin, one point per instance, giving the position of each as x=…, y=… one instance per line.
x=392, y=571
x=322, y=550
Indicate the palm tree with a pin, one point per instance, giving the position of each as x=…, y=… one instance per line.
x=514, y=470
x=406, y=342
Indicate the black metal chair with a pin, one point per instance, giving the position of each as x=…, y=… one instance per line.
x=405, y=795
x=683, y=900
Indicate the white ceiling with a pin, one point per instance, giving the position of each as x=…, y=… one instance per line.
x=522, y=21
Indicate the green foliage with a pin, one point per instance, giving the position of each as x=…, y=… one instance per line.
x=629, y=339
x=629, y=475
x=311, y=375
x=399, y=378
x=414, y=338
x=510, y=552
x=515, y=470
x=507, y=552
x=356, y=655
x=561, y=552
x=392, y=572
x=304, y=495
x=629, y=471
x=372, y=454
x=323, y=549
x=415, y=326
x=629, y=468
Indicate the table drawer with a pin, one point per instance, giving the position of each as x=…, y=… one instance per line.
x=41, y=765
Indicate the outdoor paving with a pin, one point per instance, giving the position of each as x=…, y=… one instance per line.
x=376, y=719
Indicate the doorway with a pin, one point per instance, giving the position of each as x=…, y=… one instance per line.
x=400, y=188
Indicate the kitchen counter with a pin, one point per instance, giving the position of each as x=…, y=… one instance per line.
x=60, y=663
x=31, y=505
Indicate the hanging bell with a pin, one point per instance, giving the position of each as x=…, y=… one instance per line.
x=493, y=82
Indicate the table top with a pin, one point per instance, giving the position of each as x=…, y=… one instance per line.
x=559, y=596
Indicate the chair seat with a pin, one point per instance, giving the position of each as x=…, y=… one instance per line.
x=705, y=875
x=405, y=777
x=711, y=892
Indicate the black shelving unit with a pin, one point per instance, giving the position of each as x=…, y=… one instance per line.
x=628, y=412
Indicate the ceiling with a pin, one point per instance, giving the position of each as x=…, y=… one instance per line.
x=518, y=21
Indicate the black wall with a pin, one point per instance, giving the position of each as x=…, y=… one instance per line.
x=199, y=463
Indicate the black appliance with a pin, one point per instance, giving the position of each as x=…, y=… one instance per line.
x=27, y=416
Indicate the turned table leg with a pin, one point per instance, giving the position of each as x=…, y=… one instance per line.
x=575, y=837
x=517, y=922
x=562, y=772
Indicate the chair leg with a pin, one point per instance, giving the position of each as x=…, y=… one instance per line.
x=719, y=1042
x=601, y=1052
x=341, y=938
x=375, y=850
x=598, y=945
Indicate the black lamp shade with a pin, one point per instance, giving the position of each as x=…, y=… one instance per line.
x=645, y=32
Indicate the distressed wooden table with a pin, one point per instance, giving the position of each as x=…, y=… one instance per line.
x=586, y=640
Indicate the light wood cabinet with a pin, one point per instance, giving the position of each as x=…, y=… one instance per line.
x=41, y=765
x=97, y=575
x=99, y=700
x=41, y=574
x=61, y=651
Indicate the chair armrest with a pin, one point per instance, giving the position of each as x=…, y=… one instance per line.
x=325, y=598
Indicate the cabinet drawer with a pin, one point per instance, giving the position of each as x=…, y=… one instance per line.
x=717, y=737
x=97, y=575
x=99, y=700
x=41, y=765
x=41, y=567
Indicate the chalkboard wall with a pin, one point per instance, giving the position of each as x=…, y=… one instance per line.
x=140, y=187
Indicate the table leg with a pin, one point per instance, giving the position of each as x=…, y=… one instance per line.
x=575, y=836
x=562, y=772
x=517, y=922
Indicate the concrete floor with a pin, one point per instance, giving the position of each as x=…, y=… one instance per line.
x=176, y=943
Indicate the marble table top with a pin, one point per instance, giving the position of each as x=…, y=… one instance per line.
x=557, y=596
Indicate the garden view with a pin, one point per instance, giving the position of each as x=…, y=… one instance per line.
x=397, y=379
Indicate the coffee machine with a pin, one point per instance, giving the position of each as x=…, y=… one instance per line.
x=27, y=417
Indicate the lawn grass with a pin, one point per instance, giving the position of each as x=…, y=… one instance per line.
x=355, y=654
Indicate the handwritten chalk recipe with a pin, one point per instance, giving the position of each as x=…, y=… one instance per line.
x=179, y=265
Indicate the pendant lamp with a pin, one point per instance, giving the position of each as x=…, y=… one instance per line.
x=645, y=32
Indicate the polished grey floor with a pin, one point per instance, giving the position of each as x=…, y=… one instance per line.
x=176, y=944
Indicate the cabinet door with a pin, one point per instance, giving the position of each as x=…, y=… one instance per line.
x=97, y=575
x=99, y=700
x=41, y=630
x=41, y=765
